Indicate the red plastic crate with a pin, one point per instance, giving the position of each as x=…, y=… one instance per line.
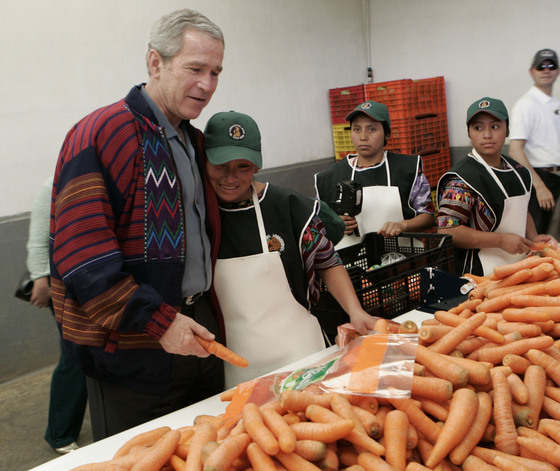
x=396, y=95
x=344, y=100
x=429, y=96
x=436, y=163
x=419, y=134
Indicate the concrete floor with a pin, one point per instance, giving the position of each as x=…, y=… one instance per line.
x=24, y=406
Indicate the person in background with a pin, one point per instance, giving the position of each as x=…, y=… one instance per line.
x=483, y=199
x=68, y=395
x=534, y=139
x=396, y=194
x=133, y=228
x=273, y=254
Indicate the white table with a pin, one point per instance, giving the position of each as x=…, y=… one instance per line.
x=105, y=449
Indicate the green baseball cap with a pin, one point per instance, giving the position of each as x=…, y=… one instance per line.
x=488, y=105
x=375, y=110
x=230, y=136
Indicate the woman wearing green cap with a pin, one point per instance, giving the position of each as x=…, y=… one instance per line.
x=396, y=194
x=483, y=199
x=273, y=254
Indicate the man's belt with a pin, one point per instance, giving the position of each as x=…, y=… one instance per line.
x=190, y=300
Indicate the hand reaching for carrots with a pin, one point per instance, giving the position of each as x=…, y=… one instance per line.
x=179, y=337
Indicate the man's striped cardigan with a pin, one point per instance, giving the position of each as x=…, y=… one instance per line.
x=118, y=242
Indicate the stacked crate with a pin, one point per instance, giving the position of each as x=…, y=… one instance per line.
x=418, y=119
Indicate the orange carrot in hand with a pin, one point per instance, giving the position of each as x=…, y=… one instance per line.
x=222, y=352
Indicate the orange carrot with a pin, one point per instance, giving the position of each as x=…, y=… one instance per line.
x=481, y=420
x=259, y=459
x=279, y=427
x=227, y=396
x=330, y=461
x=146, y=439
x=159, y=453
x=507, y=464
x=523, y=416
x=468, y=304
x=431, y=333
x=519, y=391
x=541, y=272
x=483, y=331
x=488, y=455
x=417, y=418
x=495, y=355
x=326, y=432
x=381, y=415
x=515, y=278
x=535, y=381
x=533, y=300
x=526, y=330
x=453, y=338
x=479, y=372
x=473, y=463
x=430, y=387
x=368, y=421
x=544, y=447
x=550, y=428
x=436, y=409
x=517, y=363
x=257, y=430
x=552, y=392
x=203, y=434
x=441, y=366
x=297, y=401
x=462, y=411
x=408, y=327
x=311, y=450
x=503, y=416
x=368, y=403
x=224, y=455
x=502, y=271
x=551, y=407
x=222, y=352
x=525, y=315
x=550, y=365
x=395, y=435
x=495, y=304
x=372, y=462
x=294, y=462
x=471, y=344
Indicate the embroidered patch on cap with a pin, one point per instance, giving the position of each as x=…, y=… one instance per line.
x=236, y=132
x=366, y=106
x=484, y=104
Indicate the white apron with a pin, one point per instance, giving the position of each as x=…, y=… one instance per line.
x=514, y=220
x=264, y=322
x=379, y=205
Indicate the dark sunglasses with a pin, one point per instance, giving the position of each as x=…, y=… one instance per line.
x=546, y=66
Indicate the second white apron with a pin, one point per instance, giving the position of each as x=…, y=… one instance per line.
x=264, y=322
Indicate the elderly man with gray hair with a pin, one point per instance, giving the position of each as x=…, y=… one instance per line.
x=133, y=236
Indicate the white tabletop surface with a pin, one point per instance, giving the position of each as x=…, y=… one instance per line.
x=105, y=449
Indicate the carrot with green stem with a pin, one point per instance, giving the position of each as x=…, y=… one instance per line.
x=222, y=352
x=204, y=433
x=476, y=431
x=462, y=411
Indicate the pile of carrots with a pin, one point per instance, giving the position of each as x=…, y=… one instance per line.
x=485, y=395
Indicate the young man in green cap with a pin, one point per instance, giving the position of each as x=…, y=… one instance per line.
x=483, y=200
x=396, y=195
x=273, y=254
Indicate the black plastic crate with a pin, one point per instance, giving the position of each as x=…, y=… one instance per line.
x=391, y=290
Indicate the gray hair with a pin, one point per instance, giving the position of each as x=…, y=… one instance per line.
x=166, y=36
